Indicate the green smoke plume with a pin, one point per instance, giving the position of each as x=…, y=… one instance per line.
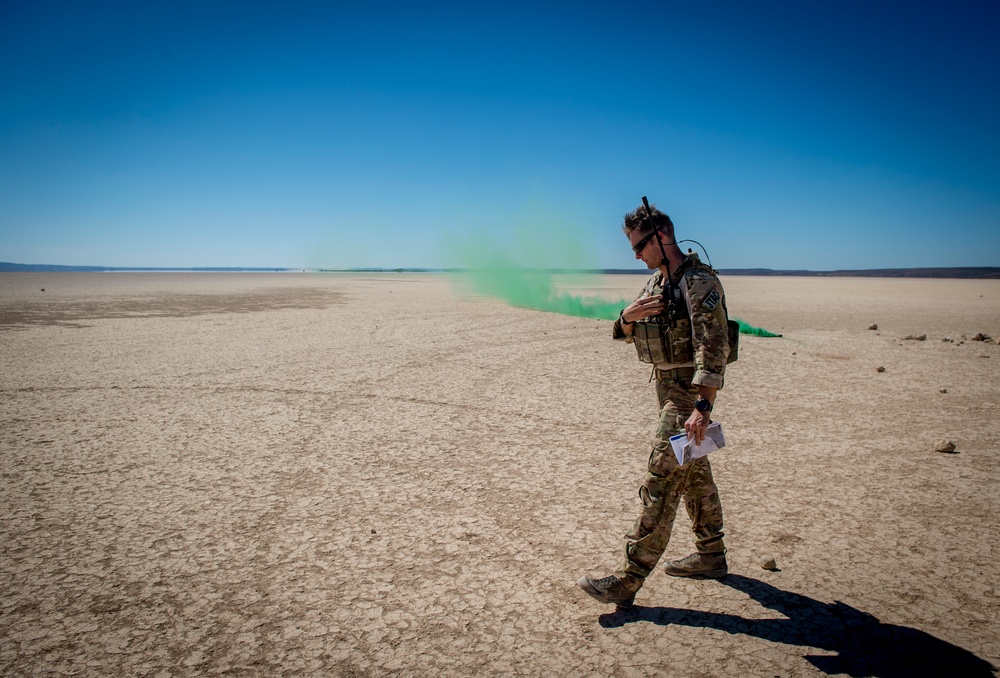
x=521, y=273
x=747, y=328
x=527, y=281
x=535, y=289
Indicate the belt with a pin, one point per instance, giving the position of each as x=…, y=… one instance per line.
x=674, y=374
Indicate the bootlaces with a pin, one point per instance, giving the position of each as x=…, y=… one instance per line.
x=606, y=582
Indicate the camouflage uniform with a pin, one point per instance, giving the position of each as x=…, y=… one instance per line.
x=676, y=391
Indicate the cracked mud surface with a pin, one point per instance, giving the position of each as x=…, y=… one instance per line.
x=253, y=474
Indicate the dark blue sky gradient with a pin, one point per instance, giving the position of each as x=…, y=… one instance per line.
x=783, y=135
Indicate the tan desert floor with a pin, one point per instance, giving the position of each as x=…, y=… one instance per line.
x=298, y=474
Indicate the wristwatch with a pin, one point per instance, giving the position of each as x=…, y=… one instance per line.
x=702, y=405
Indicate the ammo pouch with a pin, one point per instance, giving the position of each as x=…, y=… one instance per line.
x=658, y=342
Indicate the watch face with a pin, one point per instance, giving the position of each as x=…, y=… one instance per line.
x=702, y=405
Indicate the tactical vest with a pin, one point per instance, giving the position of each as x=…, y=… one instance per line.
x=659, y=341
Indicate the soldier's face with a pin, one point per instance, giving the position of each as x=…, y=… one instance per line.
x=645, y=248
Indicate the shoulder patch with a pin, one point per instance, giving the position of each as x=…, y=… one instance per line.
x=711, y=300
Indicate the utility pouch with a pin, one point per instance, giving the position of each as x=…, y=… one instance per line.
x=734, y=341
x=679, y=342
x=649, y=338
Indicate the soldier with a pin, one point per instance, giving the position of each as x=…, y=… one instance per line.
x=687, y=343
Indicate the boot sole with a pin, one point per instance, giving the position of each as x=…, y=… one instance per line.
x=589, y=589
x=711, y=574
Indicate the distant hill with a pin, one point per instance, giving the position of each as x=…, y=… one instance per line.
x=962, y=272
x=977, y=272
x=7, y=267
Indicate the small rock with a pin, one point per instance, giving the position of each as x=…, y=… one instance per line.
x=768, y=562
x=945, y=446
x=873, y=326
x=43, y=289
x=915, y=337
x=978, y=337
x=947, y=339
x=880, y=369
x=793, y=352
x=944, y=390
x=959, y=343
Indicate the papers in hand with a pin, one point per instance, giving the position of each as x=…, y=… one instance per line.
x=685, y=450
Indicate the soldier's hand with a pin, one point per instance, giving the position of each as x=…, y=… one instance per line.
x=696, y=424
x=643, y=308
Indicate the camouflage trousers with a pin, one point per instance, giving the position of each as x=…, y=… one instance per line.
x=666, y=483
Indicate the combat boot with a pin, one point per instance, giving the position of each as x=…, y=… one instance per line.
x=699, y=565
x=609, y=590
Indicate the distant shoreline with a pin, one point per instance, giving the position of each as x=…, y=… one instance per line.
x=966, y=272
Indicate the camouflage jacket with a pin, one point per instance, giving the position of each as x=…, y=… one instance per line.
x=705, y=301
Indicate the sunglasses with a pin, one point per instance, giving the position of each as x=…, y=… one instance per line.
x=639, y=246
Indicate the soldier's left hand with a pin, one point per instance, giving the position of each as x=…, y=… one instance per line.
x=695, y=426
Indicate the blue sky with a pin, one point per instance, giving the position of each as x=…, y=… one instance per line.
x=780, y=134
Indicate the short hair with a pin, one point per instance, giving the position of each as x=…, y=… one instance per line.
x=638, y=220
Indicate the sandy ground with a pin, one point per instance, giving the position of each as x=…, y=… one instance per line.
x=295, y=474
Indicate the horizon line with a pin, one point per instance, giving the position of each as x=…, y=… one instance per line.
x=977, y=272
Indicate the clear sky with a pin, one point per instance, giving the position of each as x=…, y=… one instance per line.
x=817, y=135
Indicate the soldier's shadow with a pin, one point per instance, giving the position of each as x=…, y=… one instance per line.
x=864, y=645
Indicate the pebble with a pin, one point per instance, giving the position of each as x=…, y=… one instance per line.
x=880, y=369
x=982, y=337
x=916, y=337
x=944, y=390
x=873, y=326
x=945, y=446
x=768, y=562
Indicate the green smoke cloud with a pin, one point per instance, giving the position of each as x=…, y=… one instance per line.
x=520, y=270
x=520, y=274
x=535, y=289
